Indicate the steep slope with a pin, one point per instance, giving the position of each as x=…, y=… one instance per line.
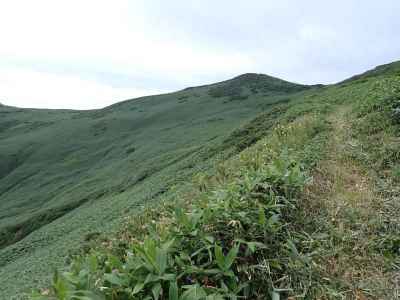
x=310, y=211
x=382, y=70
x=67, y=174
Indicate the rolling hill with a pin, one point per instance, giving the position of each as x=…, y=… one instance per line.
x=253, y=187
x=66, y=175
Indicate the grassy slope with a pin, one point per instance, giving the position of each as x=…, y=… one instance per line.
x=351, y=212
x=372, y=122
x=354, y=200
x=66, y=174
x=220, y=207
x=345, y=227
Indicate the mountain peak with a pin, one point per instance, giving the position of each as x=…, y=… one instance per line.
x=252, y=76
x=254, y=83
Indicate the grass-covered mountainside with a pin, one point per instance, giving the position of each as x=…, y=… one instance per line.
x=252, y=188
x=66, y=176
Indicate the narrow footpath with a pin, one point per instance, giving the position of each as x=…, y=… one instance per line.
x=353, y=212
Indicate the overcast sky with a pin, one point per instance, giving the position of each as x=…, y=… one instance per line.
x=91, y=53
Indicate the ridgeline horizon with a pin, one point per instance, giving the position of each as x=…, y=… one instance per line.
x=250, y=187
x=243, y=75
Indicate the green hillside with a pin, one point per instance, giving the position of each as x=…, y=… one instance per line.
x=252, y=188
x=66, y=175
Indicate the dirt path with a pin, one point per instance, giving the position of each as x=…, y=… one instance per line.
x=353, y=210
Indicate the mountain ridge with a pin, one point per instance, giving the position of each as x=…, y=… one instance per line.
x=241, y=79
x=251, y=76
x=69, y=174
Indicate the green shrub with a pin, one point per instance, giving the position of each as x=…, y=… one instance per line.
x=230, y=241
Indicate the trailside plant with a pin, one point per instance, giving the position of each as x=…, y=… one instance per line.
x=231, y=241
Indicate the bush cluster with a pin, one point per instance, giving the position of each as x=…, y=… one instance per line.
x=231, y=241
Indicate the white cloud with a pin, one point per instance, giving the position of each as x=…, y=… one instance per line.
x=183, y=43
x=24, y=88
x=312, y=33
x=114, y=35
x=98, y=35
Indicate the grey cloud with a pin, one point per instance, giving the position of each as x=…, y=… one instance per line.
x=306, y=41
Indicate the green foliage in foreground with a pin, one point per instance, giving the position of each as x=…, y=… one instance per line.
x=228, y=238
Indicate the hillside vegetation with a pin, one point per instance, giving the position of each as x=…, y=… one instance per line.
x=266, y=190
x=66, y=176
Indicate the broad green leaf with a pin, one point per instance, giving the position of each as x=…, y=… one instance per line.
x=168, y=277
x=156, y=291
x=113, y=279
x=168, y=245
x=151, y=278
x=150, y=249
x=114, y=262
x=194, y=292
x=209, y=239
x=273, y=220
x=71, y=277
x=181, y=217
x=138, y=288
x=211, y=271
x=230, y=258
x=60, y=287
x=293, y=248
x=93, y=263
x=219, y=257
x=229, y=273
x=224, y=287
x=161, y=260
x=148, y=253
x=173, y=293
